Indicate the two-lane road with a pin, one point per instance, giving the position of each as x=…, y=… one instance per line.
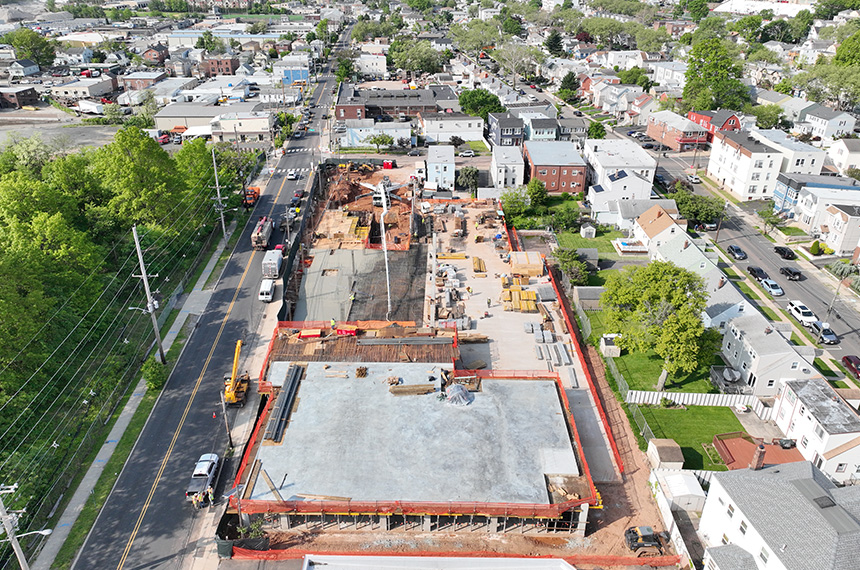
x=146, y=522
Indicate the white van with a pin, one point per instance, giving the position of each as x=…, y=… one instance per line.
x=267, y=290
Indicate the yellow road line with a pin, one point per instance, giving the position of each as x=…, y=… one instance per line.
x=152, y=490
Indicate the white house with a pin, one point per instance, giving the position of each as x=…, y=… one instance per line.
x=489, y=13
x=669, y=73
x=358, y=130
x=810, y=211
x=840, y=228
x=656, y=227
x=507, y=167
x=826, y=428
x=619, y=186
x=623, y=213
x=797, y=157
x=795, y=109
x=744, y=164
x=440, y=167
x=606, y=157
x=23, y=68
x=826, y=123
x=845, y=154
x=440, y=127
x=780, y=517
x=372, y=64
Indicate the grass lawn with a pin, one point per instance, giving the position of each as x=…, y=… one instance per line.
x=477, y=146
x=642, y=370
x=824, y=368
x=691, y=429
x=731, y=273
x=795, y=340
x=839, y=384
x=598, y=327
x=769, y=313
x=602, y=242
x=747, y=290
x=791, y=231
x=599, y=278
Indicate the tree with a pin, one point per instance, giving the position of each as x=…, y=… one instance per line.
x=536, y=191
x=703, y=209
x=475, y=36
x=480, y=103
x=31, y=45
x=698, y=9
x=651, y=40
x=456, y=142
x=345, y=69
x=379, y=140
x=658, y=307
x=766, y=116
x=553, y=44
x=259, y=27
x=514, y=201
x=414, y=56
x=853, y=173
x=404, y=142
x=517, y=59
x=322, y=31
x=513, y=26
x=714, y=78
x=771, y=219
x=835, y=84
x=596, y=130
x=749, y=28
x=570, y=81
x=785, y=87
x=210, y=43
x=468, y=178
x=848, y=53
x=570, y=263
x=113, y=113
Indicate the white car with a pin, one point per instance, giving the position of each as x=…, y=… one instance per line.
x=291, y=174
x=467, y=153
x=694, y=179
x=802, y=313
x=772, y=287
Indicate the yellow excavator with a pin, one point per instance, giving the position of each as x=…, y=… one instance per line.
x=236, y=386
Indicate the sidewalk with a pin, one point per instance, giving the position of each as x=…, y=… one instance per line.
x=189, y=308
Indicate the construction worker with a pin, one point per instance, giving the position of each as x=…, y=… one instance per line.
x=195, y=500
x=210, y=492
x=352, y=297
x=488, y=302
x=333, y=324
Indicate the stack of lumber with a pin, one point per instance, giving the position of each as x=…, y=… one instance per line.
x=412, y=389
x=478, y=265
x=451, y=256
x=523, y=301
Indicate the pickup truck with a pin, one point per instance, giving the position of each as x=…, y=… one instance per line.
x=203, y=476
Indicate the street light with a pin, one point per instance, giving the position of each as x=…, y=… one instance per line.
x=43, y=532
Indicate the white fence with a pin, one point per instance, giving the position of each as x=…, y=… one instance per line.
x=699, y=399
x=669, y=521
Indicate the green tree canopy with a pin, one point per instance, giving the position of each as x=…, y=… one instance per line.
x=210, y=43
x=766, y=116
x=414, y=56
x=515, y=201
x=379, y=140
x=31, y=45
x=536, y=191
x=480, y=103
x=714, y=78
x=553, y=43
x=468, y=177
x=345, y=69
x=848, y=53
x=596, y=130
x=570, y=81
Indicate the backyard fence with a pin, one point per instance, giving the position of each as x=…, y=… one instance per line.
x=641, y=423
x=669, y=522
x=690, y=398
x=620, y=381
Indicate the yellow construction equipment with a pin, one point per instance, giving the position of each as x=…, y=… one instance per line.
x=235, y=386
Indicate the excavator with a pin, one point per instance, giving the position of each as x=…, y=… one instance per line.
x=236, y=386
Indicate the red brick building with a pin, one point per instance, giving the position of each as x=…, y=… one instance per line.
x=141, y=80
x=714, y=121
x=220, y=65
x=555, y=163
x=677, y=132
x=155, y=54
x=15, y=97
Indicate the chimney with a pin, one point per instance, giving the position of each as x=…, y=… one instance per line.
x=686, y=243
x=722, y=282
x=659, y=213
x=758, y=458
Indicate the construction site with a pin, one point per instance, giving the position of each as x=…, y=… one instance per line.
x=429, y=383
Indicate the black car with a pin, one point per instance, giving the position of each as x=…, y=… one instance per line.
x=791, y=273
x=414, y=152
x=647, y=145
x=757, y=273
x=784, y=252
x=578, y=113
x=736, y=252
x=660, y=179
x=662, y=147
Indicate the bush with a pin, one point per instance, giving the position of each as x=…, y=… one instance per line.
x=154, y=373
x=828, y=250
x=815, y=248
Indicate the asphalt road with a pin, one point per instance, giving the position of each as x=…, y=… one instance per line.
x=146, y=521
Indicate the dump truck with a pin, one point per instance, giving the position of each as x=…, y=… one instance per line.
x=261, y=234
x=645, y=542
x=250, y=197
x=236, y=385
x=272, y=263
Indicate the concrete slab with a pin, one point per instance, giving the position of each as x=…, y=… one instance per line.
x=591, y=436
x=766, y=430
x=350, y=437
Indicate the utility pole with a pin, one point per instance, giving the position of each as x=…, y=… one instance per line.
x=151, y=305
x=10, y=528
x=219, y=205
x=720, y=222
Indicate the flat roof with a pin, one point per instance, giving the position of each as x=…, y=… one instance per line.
x=350, y=437
x=832, y=412
x=561, y=153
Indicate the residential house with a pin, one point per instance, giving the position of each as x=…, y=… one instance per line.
x=744, y=165
x=84, y=88
x=786, y=517
x=769, y=97
x=670, y=73
x=505, y=129
x=274, y=95
x=640, y=109
x=540, y=128
x=357, y=131
x=219, y=64
x=488, y=13
x=714, y=121
x=797, y=157
x=23, y=68
x=656, y=227
x=617, y=187
x=378, y=46
x=810, y=212
x=809, y=51
x=606, y=157
x=507, y=167
x=16, y=96
x=547, y=109
x=623, y=213
x=156, y=54
x=440, y=167
x=249, y=129
x=677, y=132
x=440, y=127
x=557, y=164
x=626, y=59
x=845, y=154
x=759, y=353
x=783, y=50
x=616, y=98
x=140, y=80
x=840, y=228
x=574, y=129
x=374, y=65
x=827, y=124
x=293, y=69
x=786, y=193
x=795, y=109
x=163, y=93
x=251, y=46
x=591, y=83
x=73, y=56
x=826, y=427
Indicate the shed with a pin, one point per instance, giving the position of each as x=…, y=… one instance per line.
x=665, y=454
x=608, y=347
x=683, y=491
x=588, y=231
x=527, y=263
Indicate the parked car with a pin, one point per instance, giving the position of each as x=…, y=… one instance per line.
x=801, y=312
x=710, y=226
x=693, y=179
x=661, y=180
x=647, y=145
x=784, y=252
x=414, y=152
x=758, y=273
x=577, y=113
x=177, y=139
x=467, y=153
x=772, y=287
x=538, y=89
x=824, y=332
x=736, y=252
x=163, y=139
x=631, y=133
x=639, y=135
x=299, y=193
x=203, y=475
x=852, y=364
x=662, y=147
x=791, y=273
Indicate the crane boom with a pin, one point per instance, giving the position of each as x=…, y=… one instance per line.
x=236, y=386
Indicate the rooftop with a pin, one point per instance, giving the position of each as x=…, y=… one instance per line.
x=655, y=220
x=507, y=154
x=555, y=153
x=746, y=141
x=440, y=153
x=737, y=451
x=781, y=138
x=677, y=122
x=204, y=109
x=144, y=75
x=352, y=438
x=618, y=153
x=825, y=113
x=832, y=412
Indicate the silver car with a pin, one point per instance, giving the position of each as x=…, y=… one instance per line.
x=823, y=331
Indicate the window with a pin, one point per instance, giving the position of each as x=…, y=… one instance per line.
x=799, y=162
x=743, y=527
x=554, y=170
x=564, y=172
x=841, y=467
x=725, y=539
x=753, y=189
x=819, y=432
x=804, y=441
x=764, y=555
x=802, y=410
x=563, y=184
x=758, y=164
x=794, y=365
x=542, y=172
x=730, y=511
x=756, y=176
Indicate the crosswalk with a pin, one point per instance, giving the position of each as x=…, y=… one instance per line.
x=291, y=150
x=284, y=170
